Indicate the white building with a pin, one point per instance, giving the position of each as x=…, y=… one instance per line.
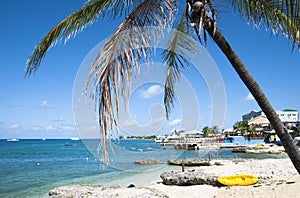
x=288, y=115
x=289, y=118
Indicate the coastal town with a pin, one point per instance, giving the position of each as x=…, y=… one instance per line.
x=253, y=134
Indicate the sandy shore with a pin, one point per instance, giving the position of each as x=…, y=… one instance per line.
x=277, y=178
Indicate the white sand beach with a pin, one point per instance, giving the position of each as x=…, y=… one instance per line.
x=277, y=178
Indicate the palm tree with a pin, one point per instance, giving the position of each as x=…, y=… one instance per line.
x=112, y=69
x=207, y=131
x=278, y=15
x=241, y=126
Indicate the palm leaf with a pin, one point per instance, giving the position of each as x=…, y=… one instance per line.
x=114, y=65
x=282, y=16
x=174, y=57
x=121, y=8
x=64, y=30
x=75, y=23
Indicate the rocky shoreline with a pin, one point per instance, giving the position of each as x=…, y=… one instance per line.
x=80, y=191
x=277, y=178
x=190, y=162
x=260, y=149
x=149, y=161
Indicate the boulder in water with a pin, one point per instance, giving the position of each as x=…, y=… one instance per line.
x=148, y=161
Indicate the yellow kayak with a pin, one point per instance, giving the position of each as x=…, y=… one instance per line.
x=238, y=180
x=259, y=145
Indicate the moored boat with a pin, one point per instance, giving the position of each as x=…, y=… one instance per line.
x=12, y=140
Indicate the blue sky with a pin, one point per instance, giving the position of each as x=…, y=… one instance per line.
x=41, y=106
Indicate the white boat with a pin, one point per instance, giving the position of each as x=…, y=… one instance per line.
x=206, y=147
x=160, y=139
x=12, y=140
x=75, y=138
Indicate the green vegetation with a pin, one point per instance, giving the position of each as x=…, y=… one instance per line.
x=210, y=131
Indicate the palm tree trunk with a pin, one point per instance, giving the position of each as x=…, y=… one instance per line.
x=286, y=139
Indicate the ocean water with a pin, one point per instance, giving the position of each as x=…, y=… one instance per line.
x=30, y=168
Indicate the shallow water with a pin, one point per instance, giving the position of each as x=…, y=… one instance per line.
x=30, y=168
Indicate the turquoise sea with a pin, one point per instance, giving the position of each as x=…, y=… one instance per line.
x=30, y=168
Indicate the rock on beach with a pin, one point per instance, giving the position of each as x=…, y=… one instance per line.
x=189, y=162
x=83, y=191
x=260, y=149
x=149, y=161
x=189, y=178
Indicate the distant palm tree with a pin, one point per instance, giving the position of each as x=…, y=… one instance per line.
x=206, y=131
x=198, y=17
x=241, y=126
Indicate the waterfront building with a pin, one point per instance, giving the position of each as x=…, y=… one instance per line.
x=289, y=117
x=252, y=114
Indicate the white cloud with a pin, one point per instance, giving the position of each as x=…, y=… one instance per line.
x=61, y=119
x=16, y=104
x=175, y=122
x=129, y=122
x=151, y=91
x=249, y=97
x=163, y=118
x=67, y=128
x=37, y=128
x=14, y=126
x=54, y=128
x=46, y=105
x=133, y=121
x=51, y=128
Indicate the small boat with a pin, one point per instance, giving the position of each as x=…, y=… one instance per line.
x=12, y=140
x=75, y=138
x=191, y=146
x=68, y=144
x=159, y=139
x=211, y=147
x=238, y=180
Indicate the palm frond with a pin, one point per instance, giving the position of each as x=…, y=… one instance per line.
x=282, y=16
x=128, y=46
x=174, y=57
x=121, y=8
x=71, y=25
x=75, y=23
